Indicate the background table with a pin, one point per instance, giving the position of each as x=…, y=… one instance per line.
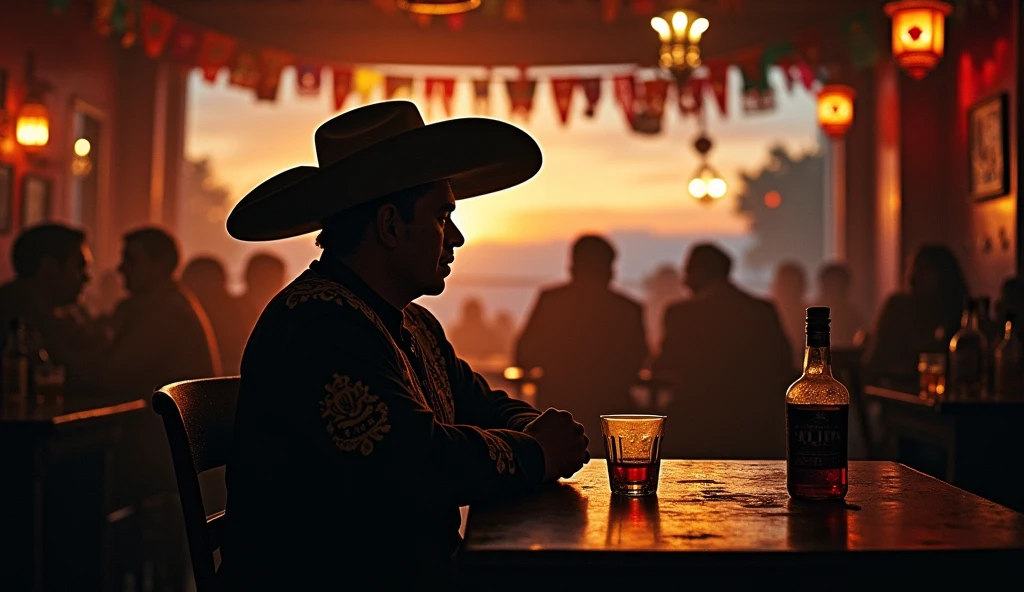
x=731, y=521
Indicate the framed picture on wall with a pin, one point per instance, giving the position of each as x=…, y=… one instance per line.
x=6, y=196
x=35, y=200
x=988, y=148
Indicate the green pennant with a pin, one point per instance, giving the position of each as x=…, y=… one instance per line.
x=860, y=41
x=118, y=16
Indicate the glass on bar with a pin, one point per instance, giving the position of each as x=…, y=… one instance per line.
x=931, y=372
x=633, y=447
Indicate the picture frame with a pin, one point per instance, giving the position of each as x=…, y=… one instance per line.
x=35, y=200
x=988, y=148
x=6, y=196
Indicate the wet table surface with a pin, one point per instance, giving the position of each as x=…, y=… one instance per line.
x=733, y=509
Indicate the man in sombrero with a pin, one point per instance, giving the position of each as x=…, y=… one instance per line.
x=358, y=432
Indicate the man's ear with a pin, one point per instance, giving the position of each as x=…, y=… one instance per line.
x=388, y=225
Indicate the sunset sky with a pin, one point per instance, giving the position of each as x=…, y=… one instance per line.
x=598, y=176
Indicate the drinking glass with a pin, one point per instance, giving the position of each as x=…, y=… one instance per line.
x=633, y=447
x=931, y=372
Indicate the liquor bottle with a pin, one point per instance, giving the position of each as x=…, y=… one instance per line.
x=1009, y=362
x=15, y=387
x=817, y=416
x=968, y=356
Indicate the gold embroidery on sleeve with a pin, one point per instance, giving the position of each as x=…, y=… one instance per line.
x=501, y=453
x=355, y=418
x=418, y=323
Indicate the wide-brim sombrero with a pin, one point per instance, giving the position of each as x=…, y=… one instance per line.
x=377, y=150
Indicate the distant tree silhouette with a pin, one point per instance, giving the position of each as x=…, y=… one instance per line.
x=794, y=228
x=205, y=204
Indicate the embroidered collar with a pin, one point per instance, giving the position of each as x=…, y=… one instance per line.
x=337, y=271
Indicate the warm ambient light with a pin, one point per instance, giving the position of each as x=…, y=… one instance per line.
x=835, y=109
x=513, y=373
x=918, y=34
x=438, y=7
x=772, y=199
x=707, y=184
x=33, y=127
x=82, y=147
x=680, y=32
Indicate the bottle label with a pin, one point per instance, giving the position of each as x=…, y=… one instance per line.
x=817, y=436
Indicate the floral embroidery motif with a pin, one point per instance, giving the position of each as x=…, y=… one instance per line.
x=418, y=321
x=501, y=453
x=355, y=418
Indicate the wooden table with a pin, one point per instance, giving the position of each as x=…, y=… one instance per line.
x=971, y=444
x=55, y=506
x=732, y=521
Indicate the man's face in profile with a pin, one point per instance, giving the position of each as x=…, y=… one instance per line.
x=424, y=256
x=71, y=276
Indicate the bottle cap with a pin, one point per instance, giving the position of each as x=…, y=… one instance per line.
x=818, y=313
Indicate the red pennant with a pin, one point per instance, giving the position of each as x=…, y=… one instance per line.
x=103, y=12
x=307, y=78
x=592, y=92
x=482, y=96
x=563, y=90
x=520, y=95
x=272, y=62
x=718, y=77
x=245, y=68
x=643, y=7
x=395, y=84
x=625, y=94
x=446, y=86
x=215, y=52
x=157, y=24
x=691, y=96
x=184, y=44
x=610, y=10
x=342, y=86
x=808, y=46
x=655, y=96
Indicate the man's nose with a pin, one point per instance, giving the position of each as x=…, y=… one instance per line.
x=454, y=236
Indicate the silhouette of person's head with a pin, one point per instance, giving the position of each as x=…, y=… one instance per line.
x=205, y=277
x=706, y=265
x=264, y=276
x=834, y=280
x=935, y=275
x=790, y=283
x=503, y=322
x=54, y=260
x=592, y=259
x=1011, y=298
x=472, y=311
x=149, y=258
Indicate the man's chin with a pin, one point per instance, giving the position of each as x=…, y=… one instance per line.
x=435, y=288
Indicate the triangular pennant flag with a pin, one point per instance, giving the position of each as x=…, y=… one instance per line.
x=272, y=62
x=515, y=11
x=157, y=24
x=102, y=15
x=592, y=92
x=118, y=16
x=655, y=96
x=184, y=44
x=562, y=89
x=718, y=80
x=245, y=68
x=752, y=66
x=131, y=23
x=808, y=46
x=307, y=78
x=610, y=10
x=365, y=81
x=446, y=88
x=482, y=96
x=520, y=95
x=342, y=85
x=691, y=96
x=625, y=95
x=397, y=87
x=215, y=52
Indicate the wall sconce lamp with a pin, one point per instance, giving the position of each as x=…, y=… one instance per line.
x=918, y=34
x=32, y=127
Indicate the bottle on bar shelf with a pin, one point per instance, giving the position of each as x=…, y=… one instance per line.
x=15, y=367
x=968, y=358
x=1009, y=362
x=817, y=413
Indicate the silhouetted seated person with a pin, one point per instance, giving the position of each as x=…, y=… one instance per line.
x=789, y=290
x=206, y=279
x=587, y=338
x=358, y=432
x=51, y=268
x=920, y=319
x=264, y=278
x=729, y=364
x=1011, y=300
x=472, y=337
x=160, y=332
x=848, y=325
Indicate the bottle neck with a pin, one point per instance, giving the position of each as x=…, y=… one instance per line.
x=817, y=354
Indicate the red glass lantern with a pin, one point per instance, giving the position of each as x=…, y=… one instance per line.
x=438, y=7
x=918, y=34
x=835, y=109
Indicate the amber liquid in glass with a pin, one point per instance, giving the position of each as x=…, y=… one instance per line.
x=633, y=477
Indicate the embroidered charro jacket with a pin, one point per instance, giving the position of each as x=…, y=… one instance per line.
x=358, y=434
